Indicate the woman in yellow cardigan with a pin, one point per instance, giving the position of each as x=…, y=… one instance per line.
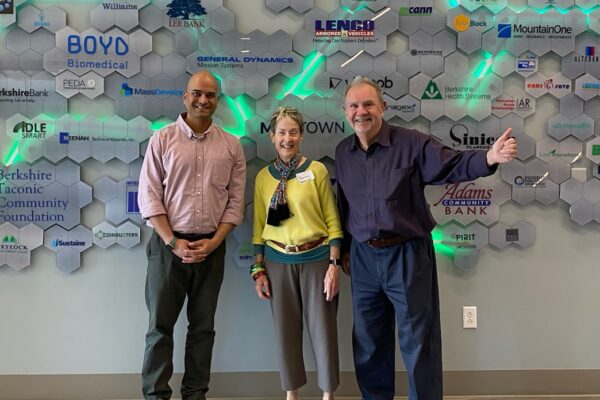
x=297, y=238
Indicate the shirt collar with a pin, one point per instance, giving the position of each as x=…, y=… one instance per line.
x=185, y=128
x=382, y=138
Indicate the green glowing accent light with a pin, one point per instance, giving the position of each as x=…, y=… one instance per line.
x=296, y=84
x=239, y=126
x=351, y=11
x=484, y=66
x=243, y=108
x=159, y=123
x=453, y=3
x=11, y=157
x=437, y=236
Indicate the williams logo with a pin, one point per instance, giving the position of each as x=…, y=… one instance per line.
x=187, y=14
x=119, y=6
x=29, y=130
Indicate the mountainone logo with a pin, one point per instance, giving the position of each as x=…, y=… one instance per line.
x=30, y=130
x=410, y=11
x=504, y=31
x=520, y=31
x=128, y=91
x=344, y=27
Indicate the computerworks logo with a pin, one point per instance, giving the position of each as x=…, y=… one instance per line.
x=67, y=243
x=129, y=91
x=187, y=14
x=6, y=7
x=28, y=130
x=344, y=27
x=413, y=11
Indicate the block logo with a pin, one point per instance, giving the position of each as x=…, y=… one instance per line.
x=431, y=92
x=125, y=90
x=6, y=7
x=461, y=23
x=504, y=31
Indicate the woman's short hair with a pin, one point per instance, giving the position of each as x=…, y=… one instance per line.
x=290, y=112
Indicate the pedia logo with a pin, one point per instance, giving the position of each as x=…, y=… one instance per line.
x=6, y=7
x=504, y=31
x=126, y=90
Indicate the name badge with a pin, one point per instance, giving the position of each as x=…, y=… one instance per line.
x=305, y=176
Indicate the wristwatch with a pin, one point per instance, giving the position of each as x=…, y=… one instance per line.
x=335, y=261
x=171, y=244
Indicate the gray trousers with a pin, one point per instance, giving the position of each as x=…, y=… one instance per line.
x=168, y=283
x=297, y=293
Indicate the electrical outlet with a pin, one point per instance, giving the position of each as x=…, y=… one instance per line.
x=469, y=317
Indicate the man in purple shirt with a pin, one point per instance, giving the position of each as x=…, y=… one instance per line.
x=382, y=171
x=191, y=191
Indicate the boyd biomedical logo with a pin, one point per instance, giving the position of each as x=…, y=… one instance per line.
x=520, y=31
x=432, y=92
x=588, y=56
x=344, y=28
x=30, y=130
x=462, y=22
x=415, y=11
x=463, y=139
x=238, y=62
x=129, y=91
x=67, y=243
x=7, y=7
x=97, y=52
x=465, y=199
x=187, y=14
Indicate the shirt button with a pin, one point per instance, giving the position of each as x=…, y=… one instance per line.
x=197, y=211
x=197, y=192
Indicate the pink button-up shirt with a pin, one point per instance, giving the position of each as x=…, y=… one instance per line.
x=196, y=182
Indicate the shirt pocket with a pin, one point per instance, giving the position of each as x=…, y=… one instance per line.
x=394, y=184
x=221, y=174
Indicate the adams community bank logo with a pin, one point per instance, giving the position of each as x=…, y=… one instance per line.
x=187, y=14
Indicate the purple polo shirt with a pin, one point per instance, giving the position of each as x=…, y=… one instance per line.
x=381, y=190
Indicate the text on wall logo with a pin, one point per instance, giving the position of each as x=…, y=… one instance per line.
x=504, y=31
x=187, y=14
x=30, y=130
x=463, y=139
x=6, y=7
x=432, y=92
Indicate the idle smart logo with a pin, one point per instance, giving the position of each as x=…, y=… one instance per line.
x=462, y=23
x=462, y=139
x=187, y=14
x=97, y=52
x=520, y=31
x=29, y=130
x=238, y=62
x=414, y=11
x=6, y=7
x=465, y=199
x=589, y=55
x=129, y=91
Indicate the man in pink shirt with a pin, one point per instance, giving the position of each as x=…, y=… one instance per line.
x=191, y=192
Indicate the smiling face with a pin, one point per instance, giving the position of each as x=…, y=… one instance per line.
x=364, y=110
x=200, y=97
x=286, y=138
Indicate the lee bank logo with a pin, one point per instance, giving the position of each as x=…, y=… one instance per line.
x=188, y=14
x=6, y=7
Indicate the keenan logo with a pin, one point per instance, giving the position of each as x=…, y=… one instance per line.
x=431, y=92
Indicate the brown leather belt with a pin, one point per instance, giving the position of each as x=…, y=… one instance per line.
x=380, y=243
x=296, y=248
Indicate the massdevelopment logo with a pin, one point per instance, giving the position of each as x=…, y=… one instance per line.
x=129, y=91
x=187, y=14
x=6, y=7
x=28, y=130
